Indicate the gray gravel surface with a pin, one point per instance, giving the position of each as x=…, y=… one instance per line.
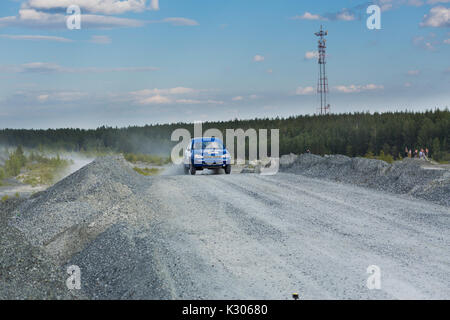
x=249, y=236
x=235, y=237
x=78, y=208
x=26, y=271
x=414, y=177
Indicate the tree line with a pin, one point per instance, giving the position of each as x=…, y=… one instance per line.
x=352, y=134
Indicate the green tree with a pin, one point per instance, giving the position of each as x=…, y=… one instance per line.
x=426, y=133
x=20, y=156
x=16, y=161
x=436, y=150
x=2, y=175
x=386, y=148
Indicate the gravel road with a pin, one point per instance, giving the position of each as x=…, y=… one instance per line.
x=258, y=237
x=239, y=236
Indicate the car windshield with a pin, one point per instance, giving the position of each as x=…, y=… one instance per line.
x=207, y=145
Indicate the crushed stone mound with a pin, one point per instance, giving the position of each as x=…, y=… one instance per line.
x=94, y=219
x=72, y=212
x=408, y=176
x=26, y=272
x=119, y=264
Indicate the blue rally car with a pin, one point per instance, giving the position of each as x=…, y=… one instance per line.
x=206, y=153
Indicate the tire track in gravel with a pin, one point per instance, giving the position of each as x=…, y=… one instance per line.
x=262, y=237
x=389, y=234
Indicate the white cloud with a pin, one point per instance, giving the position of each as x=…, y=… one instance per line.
x=98, y=21
x=302, y=91
x=269, y=71
x=100, y=39
x=191, y=101
x=169, y=95
x=437, y=1
x=45, y=67
x=447, y=41
x=413, y=72
x=343, y=15
x=238, y=98
x=390, y=4
x=62, y=96
x=358, y=88
x=386, y=7
x=415, y=3
x=157, y=99
x=120, y=69
x=177, y=21
x=33, y=67
x=311, y=55
x=170, y=91
x=38, y=19
x=308, y=16
x=258, y=58
x=426, y=42
x=95, y=6
x=43, y=97
x=154, y=4
x=407, y=84
x=438, y=17
x=35, y=38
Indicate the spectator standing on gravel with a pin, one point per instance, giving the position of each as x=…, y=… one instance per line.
x=406, y=152
x=410, y=153
x=425, y=154
x=416, y=154
x=421, y=154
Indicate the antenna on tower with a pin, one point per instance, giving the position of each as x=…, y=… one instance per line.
x=322, y=83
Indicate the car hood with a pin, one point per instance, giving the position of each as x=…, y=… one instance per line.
x=208, y=151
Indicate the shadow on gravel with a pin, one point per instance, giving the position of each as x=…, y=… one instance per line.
x=119, y=266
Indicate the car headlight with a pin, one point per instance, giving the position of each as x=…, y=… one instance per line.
x=198, y=156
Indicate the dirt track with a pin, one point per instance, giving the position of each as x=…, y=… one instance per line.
x=243, y=236
x=255, y=237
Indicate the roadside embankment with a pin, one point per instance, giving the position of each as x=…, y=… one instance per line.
x=410, y=176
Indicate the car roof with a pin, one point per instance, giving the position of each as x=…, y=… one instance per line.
x=206, y=139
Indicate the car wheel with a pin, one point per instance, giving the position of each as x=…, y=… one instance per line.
x=228, y=169
x=192, y=170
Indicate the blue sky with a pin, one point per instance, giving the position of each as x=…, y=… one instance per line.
x=138, y=62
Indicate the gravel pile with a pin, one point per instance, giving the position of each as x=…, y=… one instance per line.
x=179, y=237
x=26, y=271
x=93, y=219
x=123, y=264
x=409, y=176
x=74, y=211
